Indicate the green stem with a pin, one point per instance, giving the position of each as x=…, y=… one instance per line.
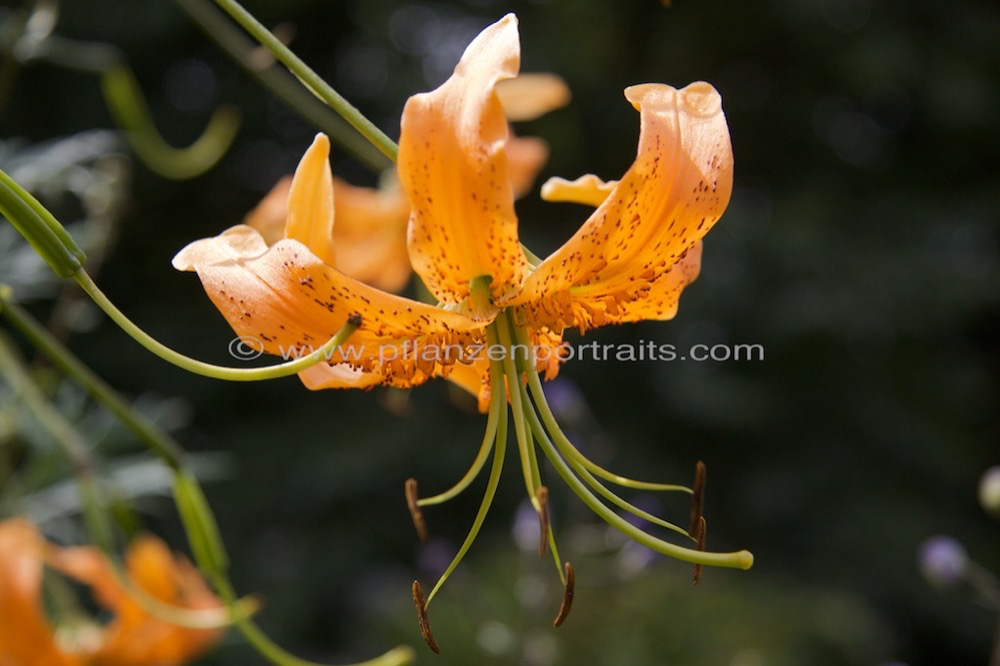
x=66, y=437
x=277, y=655
x=310, y=78
x=499, y=451
x=157, y=440
x=208, y=369
x=517, y=408
x=279, y=82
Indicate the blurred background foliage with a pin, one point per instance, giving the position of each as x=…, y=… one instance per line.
x=860, y=248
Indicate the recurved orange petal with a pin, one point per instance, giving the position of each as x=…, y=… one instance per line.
x=453, y=167
x=310, y=202
x=26, y=636
x=289, y=302
x=370, y=234
x=622, y=265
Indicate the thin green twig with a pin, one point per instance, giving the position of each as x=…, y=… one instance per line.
x=310, y=78
x=280, y=83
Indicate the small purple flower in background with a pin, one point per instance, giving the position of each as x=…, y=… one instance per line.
x=942, y=561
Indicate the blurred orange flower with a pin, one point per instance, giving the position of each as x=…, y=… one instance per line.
x=133, y=637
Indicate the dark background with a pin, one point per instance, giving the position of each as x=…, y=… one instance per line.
x=860, y=249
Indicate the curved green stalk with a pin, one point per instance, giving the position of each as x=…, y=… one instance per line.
x=208, y=369
x=477, y=465
x=310, y=78
x=496, y=388
x=499, y=452
x=128, y=107
x=189, y=618
x=127, y=104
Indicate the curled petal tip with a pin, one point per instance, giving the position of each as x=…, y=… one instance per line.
x=698, y=99
x=701, y=99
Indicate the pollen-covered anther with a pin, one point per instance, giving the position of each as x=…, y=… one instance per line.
x=567, y=600
x=702, y=534
x=697, y=499
x=422, y=621
x=415, y=513
x=543, y=519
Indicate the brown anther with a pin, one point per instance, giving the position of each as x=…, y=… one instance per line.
x=543, y=519
x=702, y=533
x=697, y=498
x=567, y=601
x=415, y=513
x=355, y=319
x=422, y=621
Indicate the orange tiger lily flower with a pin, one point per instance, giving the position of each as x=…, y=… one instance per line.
x=132, y=638
x=628, y=262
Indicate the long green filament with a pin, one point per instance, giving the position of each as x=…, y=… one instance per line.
x=514, y=389
x=491, y=484
x=477, y=464
x=601, y=489
x=571, y=451
x=566, y=448
x=496, y=388
x=740, y=559
x=208, y=369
